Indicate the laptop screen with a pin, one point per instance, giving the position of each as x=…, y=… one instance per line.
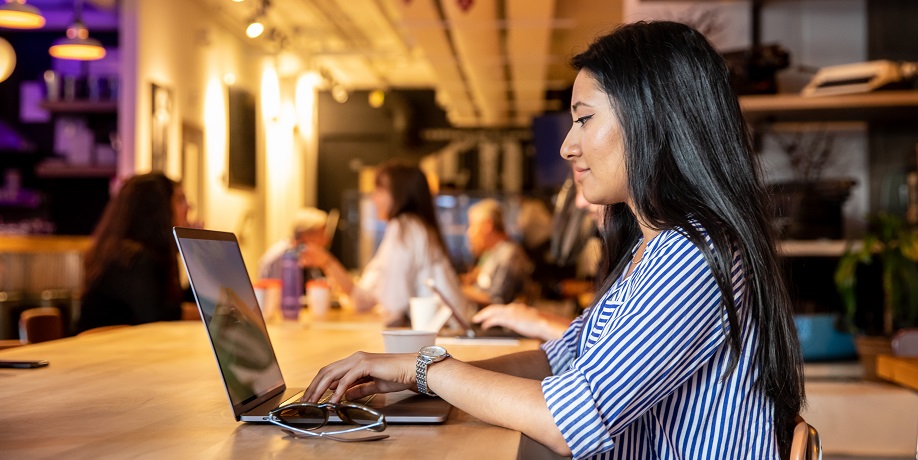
x=231, y=314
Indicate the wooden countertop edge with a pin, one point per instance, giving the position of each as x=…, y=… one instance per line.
x=44, y=243
x=903, y=371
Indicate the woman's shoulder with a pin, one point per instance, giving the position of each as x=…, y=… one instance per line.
x=677, y=239
x=408, y=225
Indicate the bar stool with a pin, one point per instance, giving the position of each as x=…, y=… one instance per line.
x=40, y=325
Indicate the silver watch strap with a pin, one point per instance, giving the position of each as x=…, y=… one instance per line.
x=421, y=373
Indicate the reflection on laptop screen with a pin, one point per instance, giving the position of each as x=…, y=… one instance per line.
x=237, y=329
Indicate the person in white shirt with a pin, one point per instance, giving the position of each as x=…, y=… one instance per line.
x=411, y=252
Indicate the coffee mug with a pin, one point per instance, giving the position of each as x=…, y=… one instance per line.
x=407, y=340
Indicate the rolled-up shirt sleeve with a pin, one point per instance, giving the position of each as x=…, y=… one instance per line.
x=642, y=348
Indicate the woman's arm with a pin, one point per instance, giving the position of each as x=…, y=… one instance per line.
x=500, y=399
x=531, y=364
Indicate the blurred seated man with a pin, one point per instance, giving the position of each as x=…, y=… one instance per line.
x=308, y=228
x=503, y=268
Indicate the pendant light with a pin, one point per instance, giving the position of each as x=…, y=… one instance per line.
x=77, y=45
x=15, y=14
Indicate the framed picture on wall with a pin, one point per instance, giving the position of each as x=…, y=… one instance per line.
x=161, y=125
x=192, y=160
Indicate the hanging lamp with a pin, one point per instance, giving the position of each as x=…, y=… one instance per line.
x=15, y=14
x=77, y=45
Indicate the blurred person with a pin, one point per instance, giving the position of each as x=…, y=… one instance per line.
x=503, y=269
x=523, y=319
x=411, y=252
x=308, y=229
x=530, y=321
x=131, y=269
x=689, y=349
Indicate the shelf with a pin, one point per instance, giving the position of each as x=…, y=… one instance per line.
x=814, y=248
x=56, y=169
x=879, y=105
x=80, y=106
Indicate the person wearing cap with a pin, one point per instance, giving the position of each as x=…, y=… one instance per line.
x=308, y=228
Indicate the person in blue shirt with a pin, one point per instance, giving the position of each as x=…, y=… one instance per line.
x=689, y=349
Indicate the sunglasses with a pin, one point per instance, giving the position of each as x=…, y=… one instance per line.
x=302, y=418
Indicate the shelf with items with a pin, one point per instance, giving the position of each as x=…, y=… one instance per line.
x=52, y=169
x=879, y=105
x=80, y=106
x=815, y=248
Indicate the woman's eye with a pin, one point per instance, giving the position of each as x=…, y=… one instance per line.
x=583, y=119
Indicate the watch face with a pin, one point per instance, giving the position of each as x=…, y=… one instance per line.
x=433, y=351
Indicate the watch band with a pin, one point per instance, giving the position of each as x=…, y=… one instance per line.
x=421, y=371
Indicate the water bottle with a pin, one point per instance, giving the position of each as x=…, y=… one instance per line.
x=291, y=285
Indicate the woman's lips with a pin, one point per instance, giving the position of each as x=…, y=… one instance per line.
x=579, y=173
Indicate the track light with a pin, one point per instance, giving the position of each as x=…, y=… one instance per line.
x=339, y=93
x=255, y=28
x=15, y=14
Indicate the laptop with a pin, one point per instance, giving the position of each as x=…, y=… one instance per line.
x=469, y=330
x=241, y=344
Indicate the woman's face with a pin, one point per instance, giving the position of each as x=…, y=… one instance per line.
x=594, y=145
x=180, y=207
x=382, y=198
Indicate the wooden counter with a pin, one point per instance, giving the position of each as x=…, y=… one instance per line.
x=44, y=243
x=154, y=391
x=903, y=371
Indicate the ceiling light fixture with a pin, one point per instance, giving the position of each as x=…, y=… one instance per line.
x=376, y=98
x=339, y=93
x=77, y=45
x=15, y=14
x=256, y=26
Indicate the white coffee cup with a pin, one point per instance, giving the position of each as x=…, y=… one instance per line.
x=407, y=340
x=319, y=298
x=422, y=311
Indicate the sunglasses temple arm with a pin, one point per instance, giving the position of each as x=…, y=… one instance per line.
x=326, y=433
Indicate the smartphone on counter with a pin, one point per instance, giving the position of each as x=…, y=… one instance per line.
x=22, y=364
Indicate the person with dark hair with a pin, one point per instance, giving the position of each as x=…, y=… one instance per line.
x=412, y=249
x=131, y=269
x=689, y=349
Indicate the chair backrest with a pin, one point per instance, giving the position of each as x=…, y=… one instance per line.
x=805, y=444
x=40, y=325
x=905, y=343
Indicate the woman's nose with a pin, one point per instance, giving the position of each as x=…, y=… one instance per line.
x=569, y=148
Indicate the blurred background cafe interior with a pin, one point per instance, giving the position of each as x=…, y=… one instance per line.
x=260, y=108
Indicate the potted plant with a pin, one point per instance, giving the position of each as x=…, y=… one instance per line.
x=888, y=253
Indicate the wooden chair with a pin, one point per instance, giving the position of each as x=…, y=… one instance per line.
x=805, y=444
x=40, y=325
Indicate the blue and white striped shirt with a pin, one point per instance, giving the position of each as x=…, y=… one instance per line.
x=640, y=375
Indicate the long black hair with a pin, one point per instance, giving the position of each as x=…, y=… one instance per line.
x=138, y=219
x=689, y=159
x=411, y=196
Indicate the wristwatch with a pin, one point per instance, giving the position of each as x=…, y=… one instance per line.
x=427, y=356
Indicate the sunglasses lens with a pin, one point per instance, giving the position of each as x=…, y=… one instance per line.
x=360, y=416
x=303, y=417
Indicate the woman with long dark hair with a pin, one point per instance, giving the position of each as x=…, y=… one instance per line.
x=131, y=270
x=411, y=252
x=689, y=350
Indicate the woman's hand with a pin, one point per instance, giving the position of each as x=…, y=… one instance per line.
x=363, y=374
x=314, y=255
x=517, y=317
